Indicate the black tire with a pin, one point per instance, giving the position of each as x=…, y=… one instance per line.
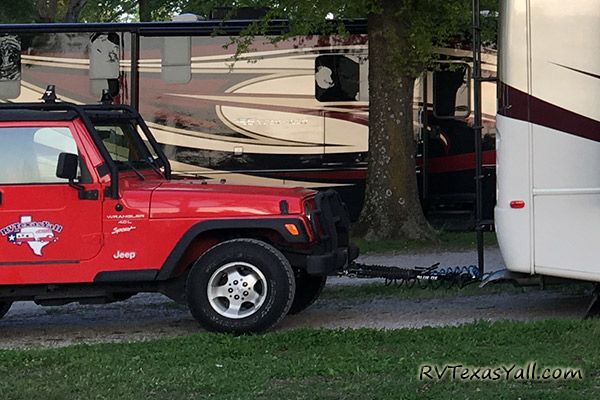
x=234, y=257
x=308, y=290
x=4, y=307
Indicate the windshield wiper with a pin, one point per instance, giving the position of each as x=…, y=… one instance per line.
x=134, y=169
x=152, y=165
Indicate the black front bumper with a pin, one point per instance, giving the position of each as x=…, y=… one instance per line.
x=331, y=263
x=331, y=224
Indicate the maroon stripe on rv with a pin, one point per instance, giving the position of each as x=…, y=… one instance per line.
x=457, y=162
x=513, y=103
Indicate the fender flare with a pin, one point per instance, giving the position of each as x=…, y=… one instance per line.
x=274, y=224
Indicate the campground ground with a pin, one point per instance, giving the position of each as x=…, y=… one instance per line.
x=345, y=303
x=348, y=345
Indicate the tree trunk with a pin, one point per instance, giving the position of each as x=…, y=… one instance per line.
x=46, y=10
x=74, y=8
x=145, y=10
x=392, y=209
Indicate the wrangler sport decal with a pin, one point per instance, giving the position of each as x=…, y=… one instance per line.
x=36, y=235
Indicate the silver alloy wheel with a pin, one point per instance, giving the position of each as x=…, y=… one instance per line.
x=237, y=290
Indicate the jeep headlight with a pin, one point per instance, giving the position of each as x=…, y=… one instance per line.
x=310, y=212
x=307, y=210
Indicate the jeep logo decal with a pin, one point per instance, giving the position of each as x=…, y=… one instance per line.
x=120, y=255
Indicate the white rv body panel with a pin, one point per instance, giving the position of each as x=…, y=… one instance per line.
x=513, y=37
x=548, y=141
x=566, y=204
x=513, y=227
x=565, y=39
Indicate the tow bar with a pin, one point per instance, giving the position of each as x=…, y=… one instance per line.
x=422, y=277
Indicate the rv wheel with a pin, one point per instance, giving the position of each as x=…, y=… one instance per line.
x=240, y=286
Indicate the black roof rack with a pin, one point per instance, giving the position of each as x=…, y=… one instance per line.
x=26, y=114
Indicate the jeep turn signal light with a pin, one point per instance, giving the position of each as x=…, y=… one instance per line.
x=292, y=229
x=517, y=204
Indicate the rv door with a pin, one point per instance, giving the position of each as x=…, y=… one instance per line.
x=451, y=85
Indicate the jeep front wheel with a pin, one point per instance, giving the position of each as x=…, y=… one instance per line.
x=4, y=307
x=240, y=286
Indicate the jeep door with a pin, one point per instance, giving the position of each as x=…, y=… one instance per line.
x=42, y=219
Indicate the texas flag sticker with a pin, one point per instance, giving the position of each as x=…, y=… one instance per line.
x=35, y=234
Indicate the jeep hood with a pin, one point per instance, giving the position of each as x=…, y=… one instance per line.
x=193, y=199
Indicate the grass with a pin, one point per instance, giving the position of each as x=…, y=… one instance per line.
x=379, y=290
x=310, y=364
x=448, y=241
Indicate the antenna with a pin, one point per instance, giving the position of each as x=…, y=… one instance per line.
x=49, y=96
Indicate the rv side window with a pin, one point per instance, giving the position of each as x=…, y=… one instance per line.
x=451, y=91
x=337, y=78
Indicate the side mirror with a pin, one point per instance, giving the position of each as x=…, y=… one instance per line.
x=105, y=65
x=67, y=166
x=176, y=59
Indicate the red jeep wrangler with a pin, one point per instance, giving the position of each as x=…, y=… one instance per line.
x=89, y=212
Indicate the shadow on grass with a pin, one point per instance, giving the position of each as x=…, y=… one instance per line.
x=448, y=241
x=380, y=290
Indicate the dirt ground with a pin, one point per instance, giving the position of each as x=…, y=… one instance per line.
x=148, y=316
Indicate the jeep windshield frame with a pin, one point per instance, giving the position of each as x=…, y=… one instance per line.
x=143, y=152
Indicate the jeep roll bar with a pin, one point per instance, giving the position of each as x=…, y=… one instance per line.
x=83, y=112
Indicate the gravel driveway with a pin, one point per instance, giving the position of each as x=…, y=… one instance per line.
x=148, y=316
